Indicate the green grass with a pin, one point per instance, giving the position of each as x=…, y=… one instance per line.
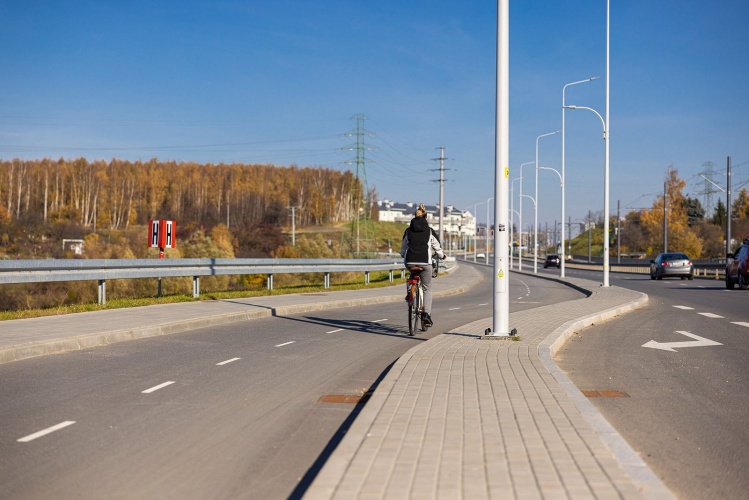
x=377, y=280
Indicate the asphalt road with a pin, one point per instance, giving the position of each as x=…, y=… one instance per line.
x=687, y=410
x=225, y=412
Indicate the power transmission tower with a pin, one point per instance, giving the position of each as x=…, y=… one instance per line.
x=441, y=180
x=360, y=148
x=709, y=188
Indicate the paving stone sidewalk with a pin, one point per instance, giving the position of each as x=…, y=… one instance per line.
x=464, y=417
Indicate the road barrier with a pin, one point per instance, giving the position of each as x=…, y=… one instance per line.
x=101, y=270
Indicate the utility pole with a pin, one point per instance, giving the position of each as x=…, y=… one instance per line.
x=618, y=233
x=665, y=217
x=293, y=225
x=441, y=180
x=728, y=205
x=589, y=239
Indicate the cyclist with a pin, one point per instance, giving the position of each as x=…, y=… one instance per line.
x=419, y=243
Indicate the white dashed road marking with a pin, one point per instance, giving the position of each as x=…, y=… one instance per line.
x=740, y=323
x=286, y=343
x=453, y=308
x=156, y=388
x=710, y=315
x=46, y=431
x=228, y=361
x=484, y=304
x=334, y=331
x=379, y=320
x=683, y=307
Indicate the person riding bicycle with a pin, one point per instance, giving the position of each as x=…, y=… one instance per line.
x=419, y=243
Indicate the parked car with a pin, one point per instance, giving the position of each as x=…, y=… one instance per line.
x=737, y=267
x=671, y=264
x=552, y=260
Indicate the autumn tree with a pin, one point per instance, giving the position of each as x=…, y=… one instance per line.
x=680, y=237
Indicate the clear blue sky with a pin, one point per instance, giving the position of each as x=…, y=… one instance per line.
x=278, y=81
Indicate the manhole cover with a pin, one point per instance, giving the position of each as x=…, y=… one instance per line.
x=607, y=393
x=345, y=398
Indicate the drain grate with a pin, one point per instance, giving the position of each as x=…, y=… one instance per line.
x=358, y=399
x=610, y=393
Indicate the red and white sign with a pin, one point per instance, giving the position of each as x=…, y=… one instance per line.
x=162, y=233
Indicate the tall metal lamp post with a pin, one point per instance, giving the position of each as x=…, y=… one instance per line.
x=535, y=223
x=605, y=195
x=564, y=89
x=561, y=183
x=520, y=216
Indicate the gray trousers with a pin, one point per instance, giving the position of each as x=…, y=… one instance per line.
x=426, y=285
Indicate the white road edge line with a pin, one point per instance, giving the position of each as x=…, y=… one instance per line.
x=157, y=387
x=334, y=331
x=228, y=361
x=710, y=315
x=286, y=343
x=46, y=431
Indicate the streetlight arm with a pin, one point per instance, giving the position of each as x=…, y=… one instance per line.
x=603, y=122
x=561, y=181
x=531, y=198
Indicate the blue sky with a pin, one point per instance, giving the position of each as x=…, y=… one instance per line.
x=278, y=81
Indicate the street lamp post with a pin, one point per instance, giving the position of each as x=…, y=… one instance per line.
x=486, y=255
x=561, y=183
x=520, y=222
x=605, y=195
x=535, y=223
x=512, y=218
x=476, y=216
x=564, y=89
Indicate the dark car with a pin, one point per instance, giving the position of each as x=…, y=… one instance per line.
x=737, y=267
x=671, y=264
x=552, y=260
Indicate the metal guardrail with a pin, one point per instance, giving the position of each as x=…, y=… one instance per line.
x=101, y=270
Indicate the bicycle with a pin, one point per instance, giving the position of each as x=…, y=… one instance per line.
x=415, y=299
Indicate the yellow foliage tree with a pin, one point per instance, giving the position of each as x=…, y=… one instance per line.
x=680, y=237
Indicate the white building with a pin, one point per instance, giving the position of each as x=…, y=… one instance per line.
x=457, y=224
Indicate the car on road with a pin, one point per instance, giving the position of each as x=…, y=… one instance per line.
x=480, y=256
x=737, y=267
x=552, y=260
x=669, y=264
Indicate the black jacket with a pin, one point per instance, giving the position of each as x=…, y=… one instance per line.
x=419, y=243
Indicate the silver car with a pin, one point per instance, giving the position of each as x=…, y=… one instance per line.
x=671, y=264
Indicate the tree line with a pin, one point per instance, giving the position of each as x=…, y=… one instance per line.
x=689, y=228
x=119, y=193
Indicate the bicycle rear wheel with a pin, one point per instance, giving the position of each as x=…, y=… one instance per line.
x=413, y=312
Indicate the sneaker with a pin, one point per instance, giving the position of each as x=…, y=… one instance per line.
x=427, y=320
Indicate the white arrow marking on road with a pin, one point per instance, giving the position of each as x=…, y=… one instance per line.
x=669, y=346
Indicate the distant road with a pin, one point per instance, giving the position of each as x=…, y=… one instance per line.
x=224, y=412
x=687, y=413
